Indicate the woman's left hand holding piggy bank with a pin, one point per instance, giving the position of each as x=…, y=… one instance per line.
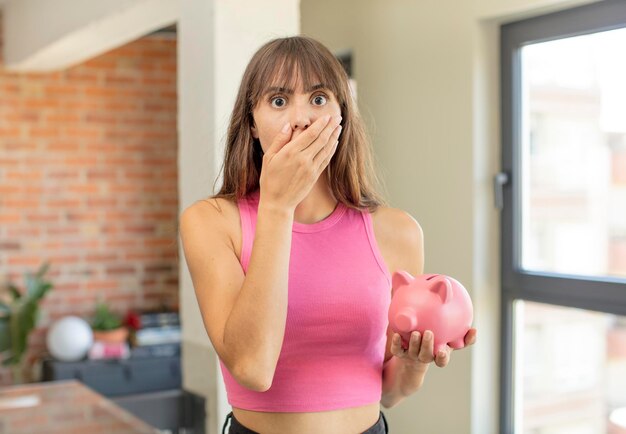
x=421, y=349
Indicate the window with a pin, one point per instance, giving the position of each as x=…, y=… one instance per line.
x=564, y=222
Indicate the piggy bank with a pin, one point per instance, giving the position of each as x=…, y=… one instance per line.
x=432, y=302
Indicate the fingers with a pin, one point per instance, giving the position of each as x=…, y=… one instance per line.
x=327, y=137
x=470, y=337
x=443, y=357
x=421, y=348
x=426, y=350
x=396, y=346
x=323, y=157
x=317, y=133
x=281, y=139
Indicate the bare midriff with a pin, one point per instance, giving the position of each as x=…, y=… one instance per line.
x=343, y=421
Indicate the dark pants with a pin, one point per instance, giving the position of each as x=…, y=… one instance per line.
x=379, y=427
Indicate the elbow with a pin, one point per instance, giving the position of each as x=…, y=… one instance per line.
x=252, y=377
x=389, y=402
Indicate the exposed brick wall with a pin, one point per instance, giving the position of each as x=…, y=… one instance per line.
x=88, y=181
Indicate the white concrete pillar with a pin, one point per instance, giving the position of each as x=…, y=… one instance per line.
x=216, y=39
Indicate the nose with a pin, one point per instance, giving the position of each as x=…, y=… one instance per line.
x=301, y=117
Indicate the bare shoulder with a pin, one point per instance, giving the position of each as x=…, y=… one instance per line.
x=218, y=208
x=396, y=222
x=212, y=214
x=400, y=239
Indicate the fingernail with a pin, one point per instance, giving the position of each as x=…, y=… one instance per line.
x=286, y=128
x=326, y=118
x=337, y=119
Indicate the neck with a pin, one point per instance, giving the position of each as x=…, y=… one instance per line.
x=317, y=205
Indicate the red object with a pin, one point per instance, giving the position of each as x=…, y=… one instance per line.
x=133, y=320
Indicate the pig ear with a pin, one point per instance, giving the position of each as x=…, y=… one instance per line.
x=400, y=278
x=442, y=286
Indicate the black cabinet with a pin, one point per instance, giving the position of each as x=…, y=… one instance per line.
x=150, y=388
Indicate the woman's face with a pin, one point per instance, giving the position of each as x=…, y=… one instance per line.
x=300, y=107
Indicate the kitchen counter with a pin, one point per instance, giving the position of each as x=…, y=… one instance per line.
x=67, y=407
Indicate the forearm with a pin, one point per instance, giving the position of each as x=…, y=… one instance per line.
x=255, y=328
x=400, y=380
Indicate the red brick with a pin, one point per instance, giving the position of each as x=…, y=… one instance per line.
x=17, y=147
x=20, y=204
x=100, y=257
x=81, y=244
x=10, y=245
x=84, y=133
x=64, y=174
x=84, y=189
x=8, y=132
x=61, y=147
x=33, y=261
x=41, y=217
x=122, y=269
x=18, y=231
x=62, y=117
x=40, y=104
x=62, y=231
x=101, y=284
x=78, y=76
x=6, y=218
x=86, y=216
x=120, y=244
x=63, y=203
x=22, y=116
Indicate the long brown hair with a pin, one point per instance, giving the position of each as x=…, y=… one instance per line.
x=350, y=174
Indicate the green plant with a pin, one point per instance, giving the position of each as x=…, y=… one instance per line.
x=104, y=319
x=19, y=313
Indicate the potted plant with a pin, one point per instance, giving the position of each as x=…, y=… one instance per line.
x=19, y=313
x=107, y=326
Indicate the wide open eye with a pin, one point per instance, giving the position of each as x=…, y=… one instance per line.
x=278, y=101
x=320, y=99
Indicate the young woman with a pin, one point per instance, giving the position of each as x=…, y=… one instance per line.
x=292, y=260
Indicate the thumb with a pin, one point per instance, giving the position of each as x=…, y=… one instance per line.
x=281, y=139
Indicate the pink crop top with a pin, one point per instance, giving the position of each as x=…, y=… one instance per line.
x=339, y=295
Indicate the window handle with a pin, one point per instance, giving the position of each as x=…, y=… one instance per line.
x=499, y=181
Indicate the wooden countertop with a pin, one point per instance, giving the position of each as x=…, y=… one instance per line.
x=67, y=407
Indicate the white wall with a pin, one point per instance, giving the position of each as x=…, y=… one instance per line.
x=427, y=76
x=216, y=39
x=42, y=35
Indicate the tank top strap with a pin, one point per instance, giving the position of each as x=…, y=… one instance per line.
x=369, y=228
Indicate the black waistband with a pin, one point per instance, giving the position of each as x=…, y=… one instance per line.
x=380, y=427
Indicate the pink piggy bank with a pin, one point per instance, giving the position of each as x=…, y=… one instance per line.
x=432, y=302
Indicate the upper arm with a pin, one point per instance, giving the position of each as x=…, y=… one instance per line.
x=408, y=242
x=216, y=273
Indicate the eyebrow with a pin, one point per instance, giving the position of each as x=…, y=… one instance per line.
x=290, y=91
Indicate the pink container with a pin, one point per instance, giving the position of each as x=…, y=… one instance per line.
x=432, y=302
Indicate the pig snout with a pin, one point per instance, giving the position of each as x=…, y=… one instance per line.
x=406, y=320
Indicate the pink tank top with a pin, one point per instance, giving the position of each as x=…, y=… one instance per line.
x=339, y=294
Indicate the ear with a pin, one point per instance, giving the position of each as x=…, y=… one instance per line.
x=441, y=286
x=254, y=132
x=400, y=278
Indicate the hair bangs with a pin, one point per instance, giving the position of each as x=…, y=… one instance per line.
x=290, y=64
